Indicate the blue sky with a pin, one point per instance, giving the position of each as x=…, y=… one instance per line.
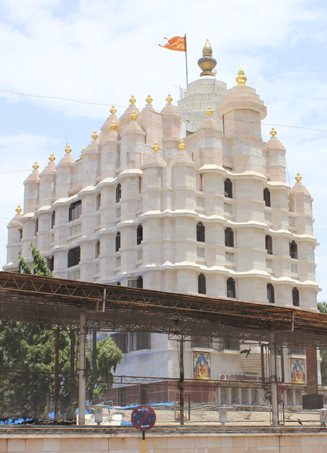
x=102, y=52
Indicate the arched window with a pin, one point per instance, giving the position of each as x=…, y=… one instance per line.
x=202, y=284
x=200, y=232
x=266, y=197
x=117, y=242
x=231, y=292
x=53, y=219
x=270, y=293
x=139, y=282
x=228, y=188
x=118, y=193
x=269, y=245
x=229, y=237
x=98, y=202
x=36, y=227
x=293, y=250
x=139, y=234
x=296, y=297
x=97, y=249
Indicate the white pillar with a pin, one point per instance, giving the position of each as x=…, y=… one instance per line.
x=81, y=380
x=273, y=379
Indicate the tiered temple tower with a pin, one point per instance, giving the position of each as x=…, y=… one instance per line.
x=206, y=213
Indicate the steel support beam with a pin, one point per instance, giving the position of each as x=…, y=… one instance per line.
x=273, y=379
x=82, y=377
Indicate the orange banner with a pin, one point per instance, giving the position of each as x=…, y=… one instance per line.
x=177, y=43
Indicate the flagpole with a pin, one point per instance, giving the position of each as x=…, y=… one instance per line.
x=186, y=63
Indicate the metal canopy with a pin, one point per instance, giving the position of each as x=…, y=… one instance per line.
x=29, y=298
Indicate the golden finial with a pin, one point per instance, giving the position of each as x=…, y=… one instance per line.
x=113, y=126
x=113, y=110
x=67, y=149
x=35, y=166
x=149, y=99
x=155, y=146
x=298, y=177
x=207, y=63
x=95, y=135
x=169, y=99
x=241, y=79
x=181, y=145
x=273, y=132
x=133, y=115
x=132, y=99
x=81, y=155
x=207, y=49
x=52, y=158
x=209, y=112
x=18, y=209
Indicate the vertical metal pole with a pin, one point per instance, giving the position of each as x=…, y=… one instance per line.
x=72, y=352
x=94, y=352
x=81, y=380
x=186, y=62
x=143, y=441
x=56, y=389
x=181, y=380
x=273, y=379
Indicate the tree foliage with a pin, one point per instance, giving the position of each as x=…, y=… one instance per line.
x=322, y=307
x=27, y=363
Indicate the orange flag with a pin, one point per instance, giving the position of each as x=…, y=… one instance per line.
x=177, y=43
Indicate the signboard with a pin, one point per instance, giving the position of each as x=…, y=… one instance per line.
x=143, y=418
x=297, y=371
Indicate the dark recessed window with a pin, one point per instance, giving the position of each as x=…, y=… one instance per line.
x=117, y=242
x=98, y=202
x=97, y=249
x=36, y=227
x=296, y=297
x=231, y=292
x=53, y=219
x=139, y=234
x=20, y=234
x=266, y=197
x=232, y=345
x=140, y=184
x=229, y=237
x=228, y=188
x=269, y=245
x=293, y=250
x=200, y=232
x=140, y=340
x=50, y=263
x=121, y=340
x=118, y=193
x=270, y=293
x=201, y=342
x=139, y=282
x=202, y=284
x=74, y=256
x=201, y=183
x=143, y=393
x=121, y=396
x=75, y=211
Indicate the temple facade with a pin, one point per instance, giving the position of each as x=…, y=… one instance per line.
x=191, y=199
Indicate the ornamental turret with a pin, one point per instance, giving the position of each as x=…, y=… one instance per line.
x=171, y=125
x=63, y=175
x=241, y=112
x=31, y=194
x=276, y=161
x=47, y=183
x=151, y=123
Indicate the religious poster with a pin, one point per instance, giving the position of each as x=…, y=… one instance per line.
x=297, y=371
x=202, y=365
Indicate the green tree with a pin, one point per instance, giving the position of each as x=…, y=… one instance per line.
x=322, y=307
x=27, y=357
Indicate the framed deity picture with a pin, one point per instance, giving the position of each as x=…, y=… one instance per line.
x=202, y=365
x=297, y=371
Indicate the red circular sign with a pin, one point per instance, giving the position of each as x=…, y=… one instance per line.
x=143, y=418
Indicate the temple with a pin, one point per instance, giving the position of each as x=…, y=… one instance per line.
x=193, y=200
